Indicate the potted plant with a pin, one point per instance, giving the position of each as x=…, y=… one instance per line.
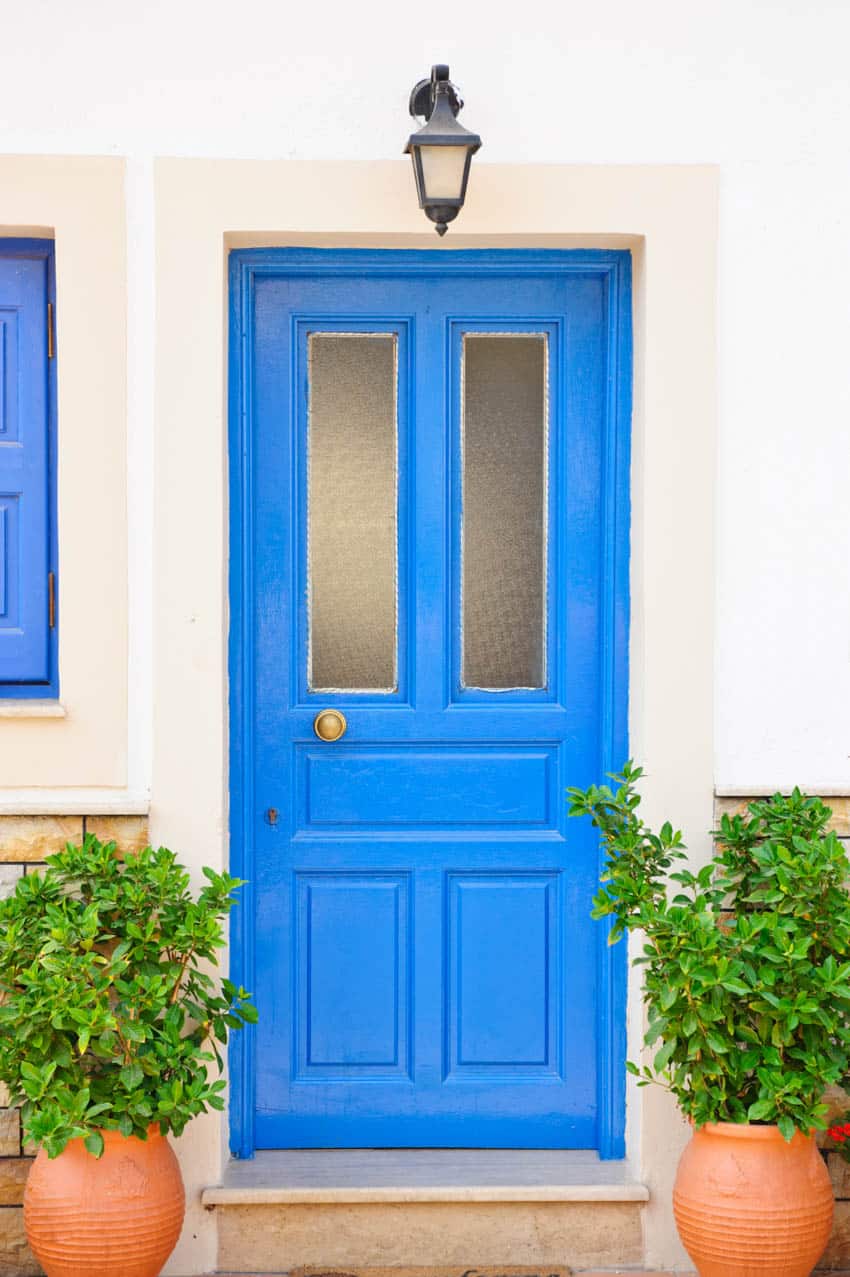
x=109, y=1022
x=747, y=988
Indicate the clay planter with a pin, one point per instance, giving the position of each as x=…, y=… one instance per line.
x=747, y=1203
x=115, y=1216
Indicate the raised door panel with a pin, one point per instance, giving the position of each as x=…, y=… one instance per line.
x=504, y=993
x=352, y=970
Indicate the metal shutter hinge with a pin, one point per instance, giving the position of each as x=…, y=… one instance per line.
x=51, y=340
x=51, y=600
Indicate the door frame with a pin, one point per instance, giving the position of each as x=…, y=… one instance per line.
x=614, y=266
x=38, y=249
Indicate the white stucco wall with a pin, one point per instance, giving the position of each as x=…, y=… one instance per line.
x=756, y=86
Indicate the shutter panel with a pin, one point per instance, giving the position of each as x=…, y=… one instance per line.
x=24, y=477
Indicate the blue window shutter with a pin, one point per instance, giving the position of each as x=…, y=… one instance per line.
x=25, y=649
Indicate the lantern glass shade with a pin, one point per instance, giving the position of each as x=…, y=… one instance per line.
x=444, y=171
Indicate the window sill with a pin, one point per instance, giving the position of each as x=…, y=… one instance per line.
x=34, y=708
x=73, y=802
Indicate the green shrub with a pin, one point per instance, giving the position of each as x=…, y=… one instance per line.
x=107, y=1018
x=747, y=979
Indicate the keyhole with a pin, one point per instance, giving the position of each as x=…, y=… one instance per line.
x=271, y=815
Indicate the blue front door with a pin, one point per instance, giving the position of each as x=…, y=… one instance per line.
x=429, y=523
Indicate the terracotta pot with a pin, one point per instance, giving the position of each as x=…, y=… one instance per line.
x=115, y=1216
x=747, y=1203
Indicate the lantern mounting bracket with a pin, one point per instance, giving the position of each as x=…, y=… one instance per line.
x=424, y=94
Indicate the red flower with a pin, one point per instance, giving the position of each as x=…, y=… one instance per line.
x=839, y=1137
x=846, y=1128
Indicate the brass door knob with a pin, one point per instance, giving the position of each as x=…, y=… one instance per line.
x=329, y=724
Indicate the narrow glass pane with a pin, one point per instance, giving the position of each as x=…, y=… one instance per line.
x=352, y=482
x=504, y=445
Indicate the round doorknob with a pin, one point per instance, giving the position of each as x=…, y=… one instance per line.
x=329, y=724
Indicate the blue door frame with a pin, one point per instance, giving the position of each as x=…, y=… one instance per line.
x=29, y=665
x=613, y=271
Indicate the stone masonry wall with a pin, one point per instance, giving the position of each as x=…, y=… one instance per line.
x=837, y=1255
x=24, y=842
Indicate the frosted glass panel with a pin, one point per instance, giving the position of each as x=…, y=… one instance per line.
x=352, y=512
x=504, y=444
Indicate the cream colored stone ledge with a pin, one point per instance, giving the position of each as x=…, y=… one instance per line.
x=73, y=802
x=432, y=1193
x=79, y=202
x=32, y=709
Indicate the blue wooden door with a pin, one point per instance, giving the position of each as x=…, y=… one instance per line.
x=429, y=538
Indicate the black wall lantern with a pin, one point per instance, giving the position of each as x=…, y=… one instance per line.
x=441, y=150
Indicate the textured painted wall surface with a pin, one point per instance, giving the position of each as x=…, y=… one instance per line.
x=759, y=88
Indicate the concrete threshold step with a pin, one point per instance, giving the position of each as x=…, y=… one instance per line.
x=364, y=1212
x=504, y=1271
x=313, y=1176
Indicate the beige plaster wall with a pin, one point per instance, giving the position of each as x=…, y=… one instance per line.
x=668, y=216
x=82, y=741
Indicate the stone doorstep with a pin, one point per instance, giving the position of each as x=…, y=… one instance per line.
x=421, y=1212
x=430, y=1239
